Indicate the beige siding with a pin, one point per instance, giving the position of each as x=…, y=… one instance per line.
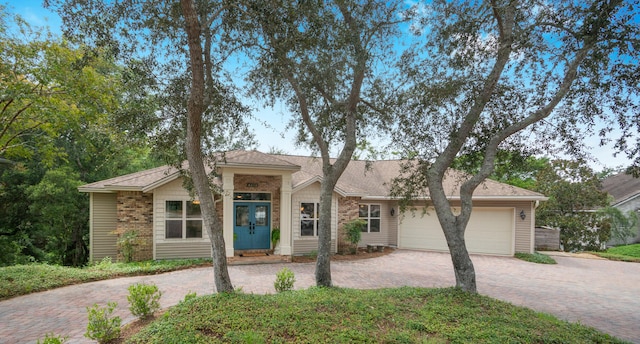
x=523, y=234
x=524, y=229
x=388, y=234
x=174, y=248
x=183, y=250
x=303, y=245
x=103, y=223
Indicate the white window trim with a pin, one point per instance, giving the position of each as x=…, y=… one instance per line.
x=316, y=220
x=369, y=217
x=183, y=220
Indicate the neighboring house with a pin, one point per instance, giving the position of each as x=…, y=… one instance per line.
x=262, y=191
x=625, y=190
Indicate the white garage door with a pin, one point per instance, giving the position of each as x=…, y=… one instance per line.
x=490, y=231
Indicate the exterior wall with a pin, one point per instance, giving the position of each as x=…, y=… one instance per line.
x=388, y=234
x=524, y=232
x=175, y=248
x=303, y=245
x=625, y=207
x=104, y=219
x=135, y=213
x=269, y=184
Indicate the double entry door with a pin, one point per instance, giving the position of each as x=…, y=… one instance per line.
x=252, y=226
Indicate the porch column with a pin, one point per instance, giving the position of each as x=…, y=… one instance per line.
x=285, y=215
x=227, y=211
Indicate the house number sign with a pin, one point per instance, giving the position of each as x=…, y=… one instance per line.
x=252, y=185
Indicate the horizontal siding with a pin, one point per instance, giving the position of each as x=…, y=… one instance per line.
x=302, y=247
x=388, y=234
x=524, y=229
x=183, y=250
x=103, y=222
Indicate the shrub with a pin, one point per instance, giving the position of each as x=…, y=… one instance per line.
x=275, y=236
x=127, y=244
x=284, y=280
x=143, y=299
x=353, y=231
x=52, y=339
x=102, y=327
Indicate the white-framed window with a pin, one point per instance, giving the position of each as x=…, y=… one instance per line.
x=371, y=214
x=309, y=213
x=183, y=220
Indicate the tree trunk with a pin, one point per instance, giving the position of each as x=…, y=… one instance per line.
x=323, y=261
x=462, y=265
x=454, y=227
x=195, y=108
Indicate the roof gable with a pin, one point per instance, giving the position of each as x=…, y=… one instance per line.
x=621, y=187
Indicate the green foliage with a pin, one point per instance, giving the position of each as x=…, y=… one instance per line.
x=574, y=191
x=336, y=315
x=144, y=299
x=127, y=243
x=102, y=326
x=353, y=232
x=511, y=167
x=284, y=280
x=52, y=339
x=535, y=258
x=626, y=250
x=624, y=227
x=189, y=296
x=626, y=253
x=63, y=216
x=275, y=236
x=24, y=279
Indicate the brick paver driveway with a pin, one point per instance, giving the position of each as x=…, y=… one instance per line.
x=599, y=293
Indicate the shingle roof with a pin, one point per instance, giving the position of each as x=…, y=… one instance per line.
x=621, y=187
x=361, y=178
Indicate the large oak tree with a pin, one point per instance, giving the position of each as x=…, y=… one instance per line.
x=323, y=58
x=505, y=73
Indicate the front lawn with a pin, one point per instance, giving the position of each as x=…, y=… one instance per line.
x=335, y=315
x=24, y=279
x=626, y=253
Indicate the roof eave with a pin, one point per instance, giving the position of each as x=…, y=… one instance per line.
x=261, y=167
x=162, y=181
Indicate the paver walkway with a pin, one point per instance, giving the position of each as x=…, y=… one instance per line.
x=598, y=293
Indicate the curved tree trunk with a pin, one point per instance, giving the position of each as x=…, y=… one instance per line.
x=195, y=108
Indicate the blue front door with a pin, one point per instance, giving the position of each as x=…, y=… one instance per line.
x=251, y=225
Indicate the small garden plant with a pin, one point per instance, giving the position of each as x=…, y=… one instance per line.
x=353, y=231
x=144, y=299
x=102, y=326
x=52, y=339
x=284, y=280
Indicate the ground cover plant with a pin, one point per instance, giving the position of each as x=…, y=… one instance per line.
x=336, y=315
x=535, y=258
x=24, y=279
x=626, y=253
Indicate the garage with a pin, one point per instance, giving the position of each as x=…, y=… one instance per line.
x=490, y=231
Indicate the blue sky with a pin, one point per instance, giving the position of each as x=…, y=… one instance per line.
x=275, y=135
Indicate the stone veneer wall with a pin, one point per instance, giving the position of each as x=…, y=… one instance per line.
x=135, y=212
x=270, y=184
x=347, y=211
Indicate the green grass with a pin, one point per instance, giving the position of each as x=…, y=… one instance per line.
x=335, y=315
x=24, y=279
x=535, y=258
x=626, y=253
